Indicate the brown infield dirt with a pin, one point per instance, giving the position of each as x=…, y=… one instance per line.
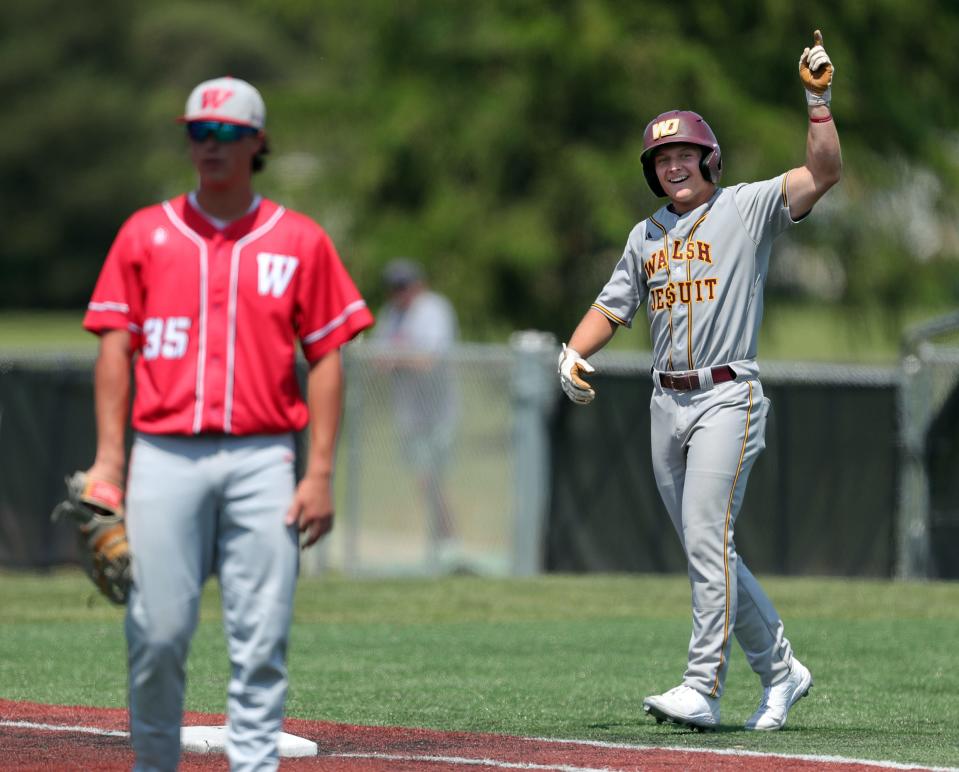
x=349, y=748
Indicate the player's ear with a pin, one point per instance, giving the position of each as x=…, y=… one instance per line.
x=259, y=158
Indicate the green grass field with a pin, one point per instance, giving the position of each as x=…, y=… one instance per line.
x=44, y=332
x=555, y=656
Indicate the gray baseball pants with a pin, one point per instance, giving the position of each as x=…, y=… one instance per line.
x=196, y=506
x=704, y=443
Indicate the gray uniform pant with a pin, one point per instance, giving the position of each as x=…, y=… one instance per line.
x=704, y=443
x=195, y=506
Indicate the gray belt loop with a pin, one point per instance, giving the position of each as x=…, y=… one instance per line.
x=705, y=378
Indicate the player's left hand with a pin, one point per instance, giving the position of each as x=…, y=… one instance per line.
x=312, y=509
x=816, y=71
x=95, y=505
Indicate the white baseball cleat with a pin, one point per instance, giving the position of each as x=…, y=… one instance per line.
x=684, y=705
x=779, y=698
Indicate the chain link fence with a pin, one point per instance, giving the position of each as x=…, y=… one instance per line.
x=929, y=490
x=442, y=462
x=820, y=499
x=441, y=465
x=487, y=488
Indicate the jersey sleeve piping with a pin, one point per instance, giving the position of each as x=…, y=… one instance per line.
x=325, y=330
x=109, y=305
x=792, y=219
x=107, y=315
x=610, y=315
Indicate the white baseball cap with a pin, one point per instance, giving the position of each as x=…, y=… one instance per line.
x=228, y=100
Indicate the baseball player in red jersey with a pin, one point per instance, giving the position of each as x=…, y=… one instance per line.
x=206, y=296
x=700, y=264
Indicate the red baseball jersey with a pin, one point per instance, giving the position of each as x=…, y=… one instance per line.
x=216, y=314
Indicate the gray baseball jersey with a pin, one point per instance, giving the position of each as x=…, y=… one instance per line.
x=702, y=275
x=425, y=397
x=426, y=404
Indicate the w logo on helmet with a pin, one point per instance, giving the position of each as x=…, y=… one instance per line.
x=680, y=126
x=213, y=98
x=665, y=128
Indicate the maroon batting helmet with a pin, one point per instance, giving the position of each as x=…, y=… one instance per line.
x=680, y=126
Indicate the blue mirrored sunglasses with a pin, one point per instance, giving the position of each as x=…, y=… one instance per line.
x=199, y=131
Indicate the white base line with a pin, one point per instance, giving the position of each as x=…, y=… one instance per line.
x=469, y=762
x=548, y=740
x=64, y=728
x=733, y=752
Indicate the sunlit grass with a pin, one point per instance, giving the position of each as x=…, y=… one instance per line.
x=558, y=656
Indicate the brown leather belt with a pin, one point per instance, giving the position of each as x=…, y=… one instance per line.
x=690, y=381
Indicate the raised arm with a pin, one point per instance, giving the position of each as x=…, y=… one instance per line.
x=808, y=183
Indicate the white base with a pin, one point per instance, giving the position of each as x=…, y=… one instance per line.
x=212, y=739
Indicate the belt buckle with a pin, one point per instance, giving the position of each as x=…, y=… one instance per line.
x=685, y=382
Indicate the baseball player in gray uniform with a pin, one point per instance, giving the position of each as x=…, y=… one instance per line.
x=700, y=264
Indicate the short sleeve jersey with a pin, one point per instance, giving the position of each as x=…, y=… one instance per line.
x=423, y=394
x=702, y=275
x=215, y=315
x=429, y=324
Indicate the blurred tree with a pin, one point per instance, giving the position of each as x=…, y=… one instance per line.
x=71, y=146
x=498, y=142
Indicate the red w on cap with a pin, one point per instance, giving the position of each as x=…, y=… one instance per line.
x=213, y=98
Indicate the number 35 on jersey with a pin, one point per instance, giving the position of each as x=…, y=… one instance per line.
x=166, y=338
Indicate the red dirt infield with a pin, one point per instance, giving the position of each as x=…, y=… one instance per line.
x=37, y=737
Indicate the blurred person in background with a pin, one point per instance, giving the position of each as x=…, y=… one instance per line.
x=420, y=329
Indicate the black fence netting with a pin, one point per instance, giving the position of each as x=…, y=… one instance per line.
x=821, y=499
x=942, y=461
x=47, y=431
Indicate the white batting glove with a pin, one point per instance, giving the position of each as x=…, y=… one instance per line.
x=570, y=367
x=816, y=71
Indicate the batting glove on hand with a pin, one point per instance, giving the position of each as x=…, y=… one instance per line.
x=571, y=367
x=815, y=72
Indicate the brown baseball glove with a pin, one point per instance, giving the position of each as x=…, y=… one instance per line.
x=96, y=507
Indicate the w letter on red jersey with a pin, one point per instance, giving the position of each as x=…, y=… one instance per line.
x=275, y=273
